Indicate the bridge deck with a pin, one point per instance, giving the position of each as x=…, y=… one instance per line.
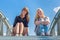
x=30, y=38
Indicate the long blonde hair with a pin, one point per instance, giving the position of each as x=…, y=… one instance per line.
x=27, y=14
x=36, y=17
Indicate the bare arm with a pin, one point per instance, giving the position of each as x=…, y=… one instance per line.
x=37, y=22
x=46, y=22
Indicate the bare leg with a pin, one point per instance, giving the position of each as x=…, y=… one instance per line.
x=17, y=29
x=21, y=27
x=25, y=32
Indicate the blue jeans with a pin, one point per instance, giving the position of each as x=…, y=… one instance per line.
x=41, y=29
x=44, y=28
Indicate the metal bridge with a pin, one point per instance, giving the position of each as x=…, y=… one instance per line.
x=54, y=23
x=3, y=20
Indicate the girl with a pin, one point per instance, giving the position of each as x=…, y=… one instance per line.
x=20, y=26
x=41, y=22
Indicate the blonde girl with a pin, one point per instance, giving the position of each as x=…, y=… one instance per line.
x=41, y=22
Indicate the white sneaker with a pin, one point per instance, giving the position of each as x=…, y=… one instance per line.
x=17, y=34
x=20, y=35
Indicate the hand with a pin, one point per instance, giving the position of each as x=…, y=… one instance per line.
x=37, y=22
x=45, y=22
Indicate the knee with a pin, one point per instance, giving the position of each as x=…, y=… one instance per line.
x=19, y=23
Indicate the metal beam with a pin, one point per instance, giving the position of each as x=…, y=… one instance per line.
x=54, y=22
x=5, y=21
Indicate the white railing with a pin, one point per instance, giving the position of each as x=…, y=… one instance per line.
x=4, y=20
x=54, y=22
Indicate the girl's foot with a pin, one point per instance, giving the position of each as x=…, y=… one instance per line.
x=17, y=34
x=46, y=34
x=20, y=34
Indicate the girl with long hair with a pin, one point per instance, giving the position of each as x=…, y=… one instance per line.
x=20, y=26
x=41, y=22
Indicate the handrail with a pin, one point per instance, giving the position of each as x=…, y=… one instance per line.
x=55, y=20
x=5, y=21
x=4, y=18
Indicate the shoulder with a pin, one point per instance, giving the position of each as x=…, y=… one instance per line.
x=17, y=16
x=46, y=17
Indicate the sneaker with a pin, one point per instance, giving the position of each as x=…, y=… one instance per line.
x=20, y=35
x=17, y=34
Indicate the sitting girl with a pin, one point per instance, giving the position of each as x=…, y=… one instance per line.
x=20, y=26
x=41, y=22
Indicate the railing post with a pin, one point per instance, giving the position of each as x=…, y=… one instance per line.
x=53, y=32
x=8, y=32
x=5, y=21
x=1, y=26
x=58, y=27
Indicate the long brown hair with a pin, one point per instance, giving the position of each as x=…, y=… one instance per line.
x=27, y=14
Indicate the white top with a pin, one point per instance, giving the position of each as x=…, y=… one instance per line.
x=44, y=19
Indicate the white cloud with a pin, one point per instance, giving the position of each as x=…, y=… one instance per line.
x=56, y=9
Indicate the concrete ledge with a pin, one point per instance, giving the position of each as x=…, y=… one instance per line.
x=30, y=38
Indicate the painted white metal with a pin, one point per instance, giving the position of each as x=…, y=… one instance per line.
x=5, y=21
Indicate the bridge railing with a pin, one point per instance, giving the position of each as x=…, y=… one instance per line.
x=54, y=22
x=9, y=28
x=6, y=22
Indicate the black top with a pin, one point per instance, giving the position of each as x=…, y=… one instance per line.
x=19, y=19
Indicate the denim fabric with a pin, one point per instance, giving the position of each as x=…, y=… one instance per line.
x=41, y=29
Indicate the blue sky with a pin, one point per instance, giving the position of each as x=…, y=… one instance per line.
x=12, y=8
